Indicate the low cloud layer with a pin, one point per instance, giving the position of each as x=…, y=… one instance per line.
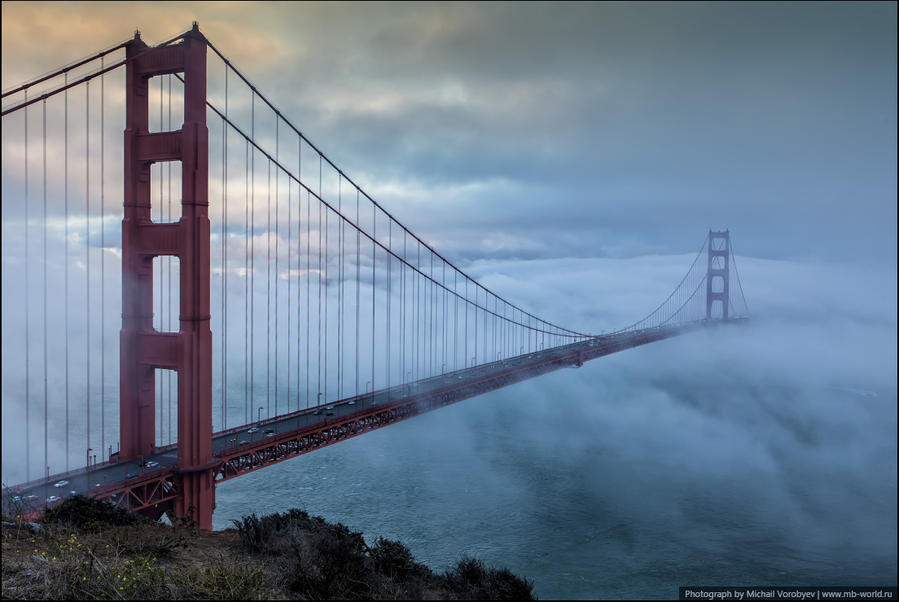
x=567, y=131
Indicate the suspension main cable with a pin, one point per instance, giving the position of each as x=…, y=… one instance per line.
x=350, y=180
x=84, y=79
x=566, y=333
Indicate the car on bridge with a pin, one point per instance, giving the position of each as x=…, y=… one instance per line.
x=61, y=484
x=253, y=430
x=151, y=464
x=53, y=498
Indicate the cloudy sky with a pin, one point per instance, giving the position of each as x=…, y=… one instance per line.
x=544, y=130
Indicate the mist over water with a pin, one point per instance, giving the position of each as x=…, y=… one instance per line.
x=762, y=454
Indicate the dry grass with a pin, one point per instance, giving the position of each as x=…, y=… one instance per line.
x=281, y=556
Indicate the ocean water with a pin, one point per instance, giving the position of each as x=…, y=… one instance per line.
x=627, y=478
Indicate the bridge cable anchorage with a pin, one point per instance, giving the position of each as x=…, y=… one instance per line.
x=322, y=156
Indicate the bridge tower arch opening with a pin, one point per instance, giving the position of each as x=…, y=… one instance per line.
x=718, y=276
x=143, y=348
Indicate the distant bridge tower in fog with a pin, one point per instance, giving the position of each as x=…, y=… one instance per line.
x=718, y=273
x=379, y=326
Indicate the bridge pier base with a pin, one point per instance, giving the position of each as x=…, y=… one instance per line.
x=197, y=499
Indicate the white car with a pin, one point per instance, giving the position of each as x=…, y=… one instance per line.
x=52, y=498
x=151, y=464
x=61, y=484
x=253, y=430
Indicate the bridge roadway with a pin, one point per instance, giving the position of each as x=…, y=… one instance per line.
x=109, y=479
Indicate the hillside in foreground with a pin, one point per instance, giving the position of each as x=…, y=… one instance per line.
x=85, y=549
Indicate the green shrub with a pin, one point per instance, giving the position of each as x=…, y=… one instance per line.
x=81, y=511
x=469, y=579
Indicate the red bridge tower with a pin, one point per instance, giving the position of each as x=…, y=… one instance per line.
x=144, y=349
x=718, y=271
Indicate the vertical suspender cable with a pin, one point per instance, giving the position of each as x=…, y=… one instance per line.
x=339, y=284
x=403, y=311
x=222, y=310
x=224, y=261
x=246, y=285
x=443, y=282
x=417, y=313
x=170, y=313
x=319, y=339
x=327, y=287
x=27, y=320
x=432, y=324
x=289, y=287
x=44, y=242
x=277, y=250
x=374, y=256
x=66, y=241
x=162, y=288
x=357, y=290
x=474, y=360
x=465, y=337
x=87, y=251
x=389, y=262
x=102, y=268
x=268, y=291
x=158, y=285
x=308, y=289
x=252, y=254
x=299, y=207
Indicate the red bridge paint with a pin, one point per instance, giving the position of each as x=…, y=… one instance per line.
x=143, y=349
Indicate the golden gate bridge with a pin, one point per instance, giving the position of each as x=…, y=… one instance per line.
x=269, y=306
